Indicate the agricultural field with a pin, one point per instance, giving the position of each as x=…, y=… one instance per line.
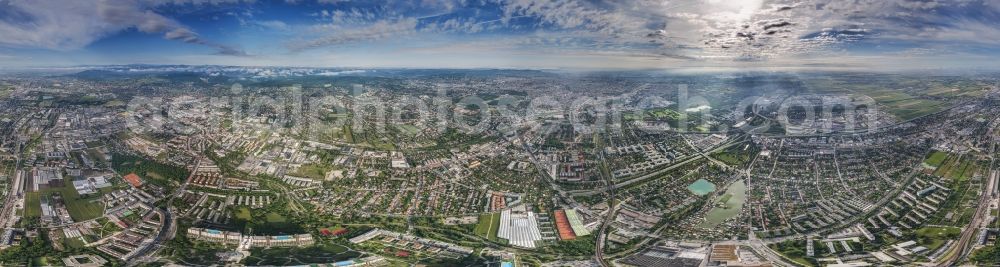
x=80, y=208
x=957, y=167
x=912, y=108
x=904, y=104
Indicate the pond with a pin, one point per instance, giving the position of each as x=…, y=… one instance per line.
x=732, y=203
x=702, y=187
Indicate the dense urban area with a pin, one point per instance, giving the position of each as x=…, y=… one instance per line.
x=209, y=165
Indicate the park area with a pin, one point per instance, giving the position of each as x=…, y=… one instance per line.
x=933, y=237
x=320, y=253
x=264, y=222
x=488, y=226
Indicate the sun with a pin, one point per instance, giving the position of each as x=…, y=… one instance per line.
x=733, y=10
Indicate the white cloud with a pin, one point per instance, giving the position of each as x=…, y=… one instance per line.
x=70, y=25
x=700, y=31
x=340, y=35
x=273, y=24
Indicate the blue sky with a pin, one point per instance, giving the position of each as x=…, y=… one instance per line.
x=647, y=34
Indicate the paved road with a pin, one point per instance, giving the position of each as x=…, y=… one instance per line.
x=168, y=227
x=651, y=175
x=10, y=201
x=603, y=234
x=163, y=234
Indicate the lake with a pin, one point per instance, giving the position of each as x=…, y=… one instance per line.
x=702, y=187
x=737, y=195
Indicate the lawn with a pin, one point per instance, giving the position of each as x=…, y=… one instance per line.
x=74, y=242
x=945, y=167
x=32, y=205
x=320, y=253
x=725, y=198
x=936, y=159
x=275, y=218
x=958, y=168
x=933, y=237
x=409, y=130
x=348, y=133
x=272, y=224
x=263, y=222
x=243, y=213
x=495, y=227
x=488, y=225
x=795, y=250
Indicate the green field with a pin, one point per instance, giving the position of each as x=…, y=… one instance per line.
x=151, y=171
x=320, y=253
x=263, y=221
x=243, y=213
x=32, y=208
x=795, y=251
x=936, y=159
x=488, y=225
x=73, y=242
x=903, y=105
x=275, y=218
x=409, y=130
x=964, y=171
x=959, y=168
x=933, y=237
x=913, y=108
x=313, y=171
x=80, y=208
x=348, y=133
x=732, y=157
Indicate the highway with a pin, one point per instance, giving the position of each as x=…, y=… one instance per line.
x=168, y=227
x=164, y=233
x=612, y=209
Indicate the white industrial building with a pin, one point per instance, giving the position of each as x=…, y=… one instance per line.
x=520, y=229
